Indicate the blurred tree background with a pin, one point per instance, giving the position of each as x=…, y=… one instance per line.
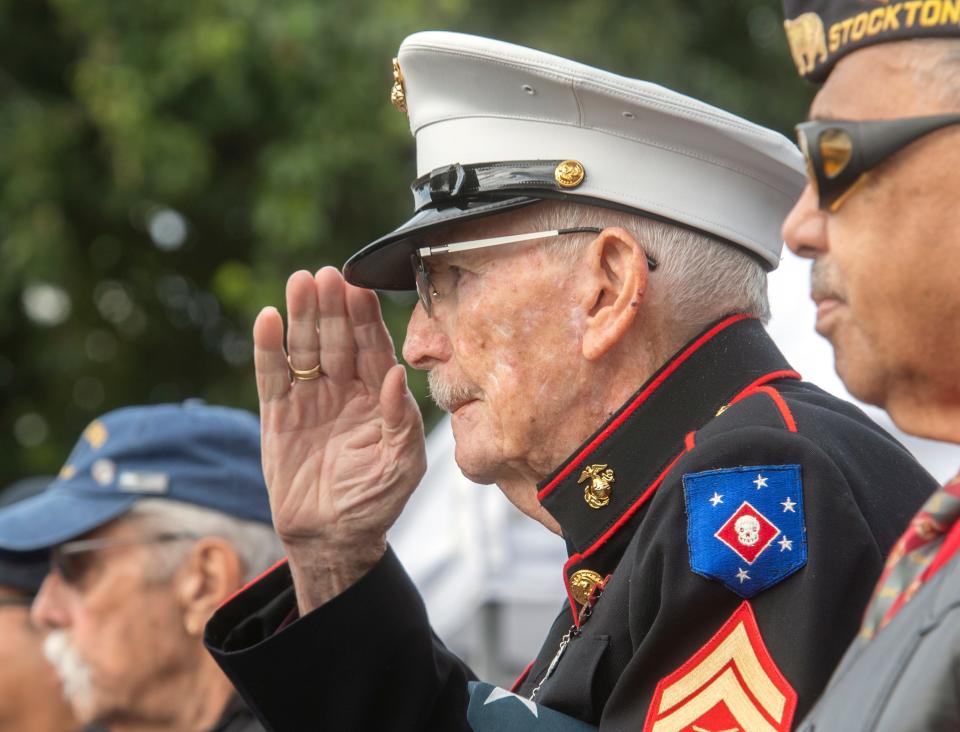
x=165, y=165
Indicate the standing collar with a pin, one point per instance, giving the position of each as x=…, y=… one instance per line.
x=596, y=490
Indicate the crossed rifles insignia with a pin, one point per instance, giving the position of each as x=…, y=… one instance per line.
x=597, y=491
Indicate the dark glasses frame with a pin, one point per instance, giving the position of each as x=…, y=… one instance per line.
x=66, y=559
x=839, y=153
x=428, y=293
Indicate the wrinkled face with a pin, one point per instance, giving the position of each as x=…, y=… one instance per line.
x=502, y=348
x=885, y=264
x=29, y=687
x=114, y=635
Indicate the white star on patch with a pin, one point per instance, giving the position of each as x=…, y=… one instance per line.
x=788, y=505
x=785, y=544
x=717, y=498
x=497, y=694
x=743, y=575
x=760, y=482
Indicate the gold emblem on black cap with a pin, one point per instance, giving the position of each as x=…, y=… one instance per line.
x=569, y=174
x=582, y=584
x=398, y=94
x=597, y=491
x=807, y=40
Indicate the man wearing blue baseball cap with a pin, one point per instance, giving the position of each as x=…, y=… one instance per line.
x=159, y=514
x=880, y=220
x=31, y=696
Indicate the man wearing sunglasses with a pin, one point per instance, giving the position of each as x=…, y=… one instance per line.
x=31, y=695
x=880, y=220
x=590, y=254
x=159, y=514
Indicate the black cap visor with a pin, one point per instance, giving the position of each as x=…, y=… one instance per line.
x=385, y=263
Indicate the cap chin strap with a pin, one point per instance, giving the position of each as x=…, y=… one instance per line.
x=457, y=184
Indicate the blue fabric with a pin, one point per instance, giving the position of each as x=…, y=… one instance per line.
x=726, y=507
x=493, y=709
x=190, y=452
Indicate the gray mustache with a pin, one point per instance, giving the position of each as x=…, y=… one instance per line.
x=446, y=395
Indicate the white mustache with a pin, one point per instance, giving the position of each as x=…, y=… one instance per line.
x=449, y=396
x=73, y=672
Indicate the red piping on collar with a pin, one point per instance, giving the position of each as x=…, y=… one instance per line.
x=254, y=581
x=613, y=530
x=778, y=400
x=635, y=404
x=689, y=444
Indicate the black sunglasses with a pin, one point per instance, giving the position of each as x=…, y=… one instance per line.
x=840, y=152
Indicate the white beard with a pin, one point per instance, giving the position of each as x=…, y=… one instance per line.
x=74, y=673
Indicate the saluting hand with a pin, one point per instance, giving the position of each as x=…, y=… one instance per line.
x=341, y=452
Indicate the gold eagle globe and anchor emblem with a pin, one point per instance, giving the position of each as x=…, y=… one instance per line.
x=398, y=93
x=597, y=491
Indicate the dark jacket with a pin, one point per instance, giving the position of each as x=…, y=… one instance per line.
x=704, y=617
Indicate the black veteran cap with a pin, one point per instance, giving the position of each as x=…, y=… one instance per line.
x=821, y=32
x=500, y=126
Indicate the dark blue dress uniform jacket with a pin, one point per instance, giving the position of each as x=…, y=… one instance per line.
x=662, y=647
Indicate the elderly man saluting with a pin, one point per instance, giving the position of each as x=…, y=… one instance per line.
x=880, y=220
x=158, y=515
x=590, y=254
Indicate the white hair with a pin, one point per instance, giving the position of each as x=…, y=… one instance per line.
x=256, y=544
x=699, y=279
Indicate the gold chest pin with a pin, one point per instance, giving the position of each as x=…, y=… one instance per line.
x=398, y=93
x=597, y=490
x=569, y=174
x=582, y=583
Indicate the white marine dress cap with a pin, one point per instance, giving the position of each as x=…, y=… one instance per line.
x=499, y=126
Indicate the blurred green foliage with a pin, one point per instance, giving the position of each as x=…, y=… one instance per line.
x=165, y=165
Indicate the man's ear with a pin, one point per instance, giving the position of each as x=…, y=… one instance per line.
x=212, y=573
x=616, y=281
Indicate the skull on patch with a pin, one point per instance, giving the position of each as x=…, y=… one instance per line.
x=748, y=529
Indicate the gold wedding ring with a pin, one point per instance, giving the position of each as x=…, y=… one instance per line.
x=304, y=374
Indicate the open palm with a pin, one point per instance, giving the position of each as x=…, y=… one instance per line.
x=341, y=452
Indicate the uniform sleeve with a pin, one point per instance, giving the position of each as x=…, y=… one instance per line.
x=707, y=647
x=366, y=660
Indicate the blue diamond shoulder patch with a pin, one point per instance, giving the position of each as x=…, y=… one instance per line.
x=745, y=526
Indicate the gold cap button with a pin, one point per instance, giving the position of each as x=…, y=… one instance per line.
x=569, y=174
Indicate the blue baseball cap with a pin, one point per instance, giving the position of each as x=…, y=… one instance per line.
x=191, y=452
x=24, y=571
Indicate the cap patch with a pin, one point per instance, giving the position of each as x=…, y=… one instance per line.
x=96, y=434
x=820, y=32
x=745, y=526
x=103, y=471
x=133, y=482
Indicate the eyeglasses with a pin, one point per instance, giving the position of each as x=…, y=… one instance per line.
x=73, y=559
x=425, y=287
x=839, y=153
